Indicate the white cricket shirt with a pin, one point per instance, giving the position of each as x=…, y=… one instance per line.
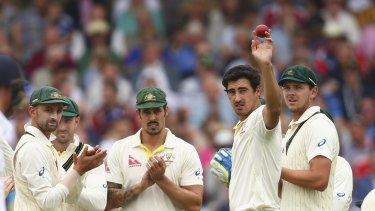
x=343, y=187
x=6, y=134
x=2, y=198
x=256, y=165
x=318, y=136
x=37, y=173
x=127, y=165
x=368, y=203
x=94, y=191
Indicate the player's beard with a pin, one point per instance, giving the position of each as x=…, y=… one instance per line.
x=153, y=129
x=63, y=138
x=47, y=125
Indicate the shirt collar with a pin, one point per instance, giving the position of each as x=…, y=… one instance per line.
x=240, y=123
x=307, y=114
x=169, y=143
x=74, y=144
x=37, y=134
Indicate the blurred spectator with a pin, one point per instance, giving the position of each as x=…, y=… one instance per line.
x=51, y=39
x=54, y=58
x=83, y=11
x=339, y=20
x=283, y=17
x=110, y=73
x=56, y=17
x=29, y=28
x=357, y=153
x=110, y=111
x=98, y=35
x=116, y=130
x=213, y=108
x=363, y=185
x=138, y=23
x=8, y=14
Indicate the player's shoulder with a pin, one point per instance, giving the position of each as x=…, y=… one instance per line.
x=33, y=146
x=124, y=142
x=322, y=121
x=31, y=149
x=342, y=163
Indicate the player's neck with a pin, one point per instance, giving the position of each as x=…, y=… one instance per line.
x=152, y=142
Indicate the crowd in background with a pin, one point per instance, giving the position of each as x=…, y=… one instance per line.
x=100, y=53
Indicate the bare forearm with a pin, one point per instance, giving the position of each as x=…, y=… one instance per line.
x=304, y=178
x=182, y=198
x=271, y=88
x=119, y=198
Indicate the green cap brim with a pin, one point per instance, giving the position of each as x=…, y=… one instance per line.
x=52, y=101
x=151, y=105
x=281, y=82
x=69, y=114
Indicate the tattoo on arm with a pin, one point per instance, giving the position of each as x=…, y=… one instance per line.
x=118, y=197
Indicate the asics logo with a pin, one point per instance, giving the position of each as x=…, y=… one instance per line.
x=340, y=194
x=322, y=142
x=41, y=171
x=198, y=172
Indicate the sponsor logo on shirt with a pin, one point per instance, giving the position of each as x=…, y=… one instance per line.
x=107, y=170
x=340, y=194
x=242, y=132
x=198, y=172
x=133, y=162
x=168, y=158
x=322, y=142
x=41, y=171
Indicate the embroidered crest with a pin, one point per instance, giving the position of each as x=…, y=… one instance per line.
x=55, y=95
x=290, y=72
x=150, y=97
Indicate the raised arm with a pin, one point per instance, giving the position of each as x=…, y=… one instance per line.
x=262, y=54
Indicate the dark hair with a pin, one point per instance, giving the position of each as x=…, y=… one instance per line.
x=242, y=71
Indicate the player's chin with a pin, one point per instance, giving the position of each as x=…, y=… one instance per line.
x=51, y=128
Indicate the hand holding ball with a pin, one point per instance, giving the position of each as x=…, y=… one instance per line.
x=260, y=32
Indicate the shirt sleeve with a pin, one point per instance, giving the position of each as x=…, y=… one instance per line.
x=192, y=171
x=7, y=155
x=369, y=201
x=343, y=185
x=34, y=168
x=322, y=139
x=113, y=170
x=94, y=192
x=2, y=199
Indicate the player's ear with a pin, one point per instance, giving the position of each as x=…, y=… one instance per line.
x=32, y=111
x=77, y=119
x=165, y=111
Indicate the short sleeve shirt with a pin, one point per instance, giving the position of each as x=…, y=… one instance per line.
x=256, y=164
x=126, y=165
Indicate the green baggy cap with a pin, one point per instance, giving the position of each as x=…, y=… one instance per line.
x=46, y=95
x=72, y=110
x=298, y=73
x=151, y=97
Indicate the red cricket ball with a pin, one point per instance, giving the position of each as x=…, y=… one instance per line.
x=261, y=29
